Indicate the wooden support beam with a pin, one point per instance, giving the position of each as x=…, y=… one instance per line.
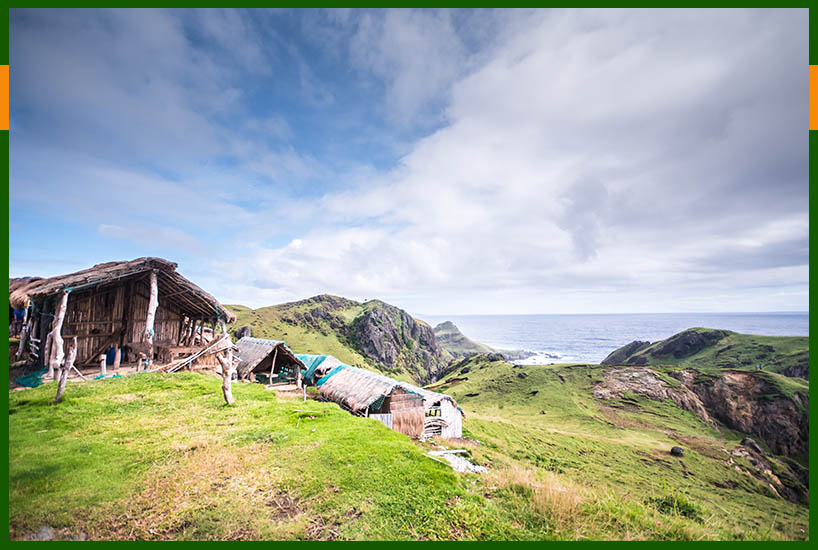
x=227, y=371
x=117, y=356
x=153, y=303
x=273, y=366
x=66, y=367
x=57, y=356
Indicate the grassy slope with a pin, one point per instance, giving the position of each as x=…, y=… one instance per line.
x=546, y=418
x=740, y=351
x=159, y=456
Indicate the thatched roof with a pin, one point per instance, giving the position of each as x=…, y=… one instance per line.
x=173, y=287
x=18, y=288
x=252, y=351
x=357, y=388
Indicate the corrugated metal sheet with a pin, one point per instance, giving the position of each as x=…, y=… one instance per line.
x=385, y=418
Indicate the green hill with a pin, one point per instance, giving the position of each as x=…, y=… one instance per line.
x=455, y=342
x=555, y=419
x=371, y=334
x=704, y=348
x=158, y=456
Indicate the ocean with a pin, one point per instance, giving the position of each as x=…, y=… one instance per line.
x=590, y=338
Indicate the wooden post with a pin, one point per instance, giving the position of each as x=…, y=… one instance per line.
x=103, y=364
x=153, y=303
x=23, y=340
x=57, y=353
x=117, y=356
x=227, y=370
x=181, y=330
x=273, y=366
x=66, y=368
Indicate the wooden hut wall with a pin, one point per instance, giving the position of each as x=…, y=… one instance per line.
x=408, y=413
x=167, y=322
x=96, y=316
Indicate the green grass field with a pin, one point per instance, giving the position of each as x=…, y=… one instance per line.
x=158, y=456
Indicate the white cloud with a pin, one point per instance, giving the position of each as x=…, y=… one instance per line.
x=593, y=156
x=588, y=161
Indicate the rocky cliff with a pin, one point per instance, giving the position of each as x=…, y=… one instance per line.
x=397, y=340
x=752, y=403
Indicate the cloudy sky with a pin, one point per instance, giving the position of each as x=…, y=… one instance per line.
x=444, y=161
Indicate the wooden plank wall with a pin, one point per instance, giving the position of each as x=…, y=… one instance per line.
x=96, y=315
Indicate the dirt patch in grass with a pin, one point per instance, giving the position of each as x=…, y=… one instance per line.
x=703, y=445
x=124, y=398
x=181, y=496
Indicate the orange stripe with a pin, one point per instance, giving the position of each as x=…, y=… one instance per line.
x=4, y=97
x=813, y=97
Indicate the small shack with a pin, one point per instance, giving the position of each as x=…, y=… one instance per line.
x=404, y=407
x=135, y=310
x=271, y=361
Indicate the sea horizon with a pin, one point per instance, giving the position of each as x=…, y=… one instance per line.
x=590, y=337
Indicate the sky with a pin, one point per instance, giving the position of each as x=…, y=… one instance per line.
x=448, y=162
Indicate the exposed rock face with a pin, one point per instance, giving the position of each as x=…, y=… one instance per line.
x=798, y=371
x=644, y=381
x=382, y=332
x=621, y=355
x=395, y=339
x=739, y=400
x=746, y=403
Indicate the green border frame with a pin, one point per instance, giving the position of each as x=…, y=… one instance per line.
x=813, y=148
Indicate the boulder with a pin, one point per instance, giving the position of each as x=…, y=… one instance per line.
x=677, y=451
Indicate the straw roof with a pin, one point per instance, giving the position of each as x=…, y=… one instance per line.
x=357, y=389
x=173, y=287
x=18, y=288
x=252, y=351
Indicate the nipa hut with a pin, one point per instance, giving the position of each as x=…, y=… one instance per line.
x=270, y=361
x=404, y=407
x=131, y=311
